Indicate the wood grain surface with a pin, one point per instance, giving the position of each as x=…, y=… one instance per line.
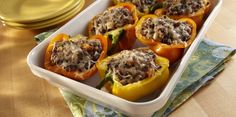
x=24, y=95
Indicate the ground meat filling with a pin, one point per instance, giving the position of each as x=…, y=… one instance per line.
x=112, y=19
x=79, y=55
x=183, y=7
x=166, y=30
x=132, y=66
x=141, y=5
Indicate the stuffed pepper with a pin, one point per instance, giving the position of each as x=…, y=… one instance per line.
x=143, y=6
x=165, y=36
x=75, y=57
x=133, y=74
x=194, y=9
x=117, y=23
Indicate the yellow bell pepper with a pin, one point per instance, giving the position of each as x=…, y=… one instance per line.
x=136, y=90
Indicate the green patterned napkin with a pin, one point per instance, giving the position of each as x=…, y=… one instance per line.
x=205, y=63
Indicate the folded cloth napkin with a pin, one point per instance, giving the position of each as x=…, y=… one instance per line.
x=205, y=63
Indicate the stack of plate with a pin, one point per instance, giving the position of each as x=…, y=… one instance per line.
x=36, y=14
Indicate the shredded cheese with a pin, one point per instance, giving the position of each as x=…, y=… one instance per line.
x=131, y=66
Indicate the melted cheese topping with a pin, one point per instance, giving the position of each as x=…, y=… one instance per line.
x=76, y=55
x=112, y=19
x=166, y=30
x=183, y=7
x=131, y=66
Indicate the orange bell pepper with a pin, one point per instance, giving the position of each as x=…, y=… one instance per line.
x=76, y=75
x=172, y=51
x=198, y=16
x=122, y=37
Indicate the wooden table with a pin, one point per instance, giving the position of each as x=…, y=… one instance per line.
x=24, y=95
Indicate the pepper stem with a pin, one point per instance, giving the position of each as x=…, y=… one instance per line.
x=156, y=6
x=115, y=36
x=104, y=81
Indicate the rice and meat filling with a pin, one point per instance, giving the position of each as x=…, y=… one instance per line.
x=183, y=7
x=76, y=55
x=112, y=19
x=133, y=65
x=141, y=5
x=166, y=30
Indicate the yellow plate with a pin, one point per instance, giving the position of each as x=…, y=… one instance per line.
x=47, y=23
x=34, y=10
x=58, y=18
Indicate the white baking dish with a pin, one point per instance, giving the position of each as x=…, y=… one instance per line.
x=78, y=25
